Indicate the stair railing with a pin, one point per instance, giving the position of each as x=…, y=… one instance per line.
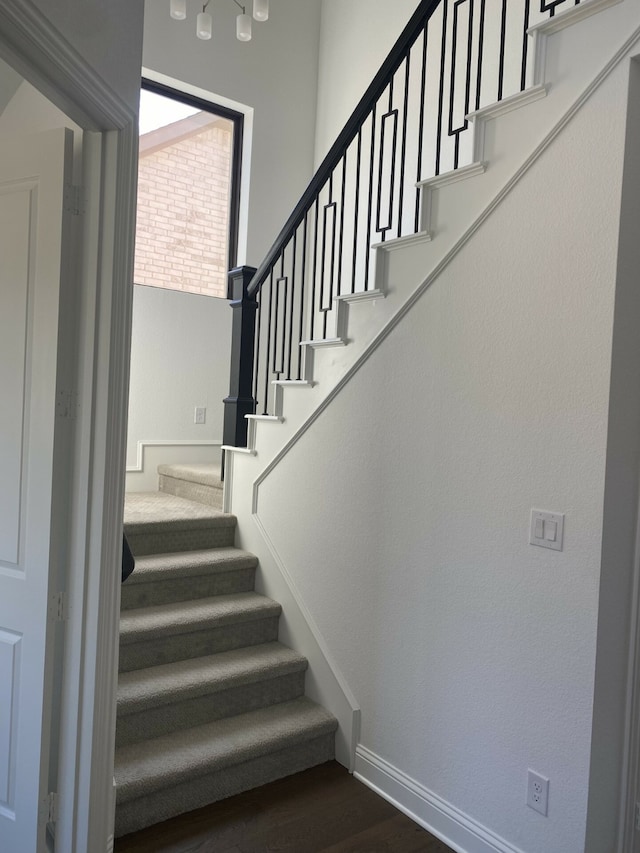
x=453, y=57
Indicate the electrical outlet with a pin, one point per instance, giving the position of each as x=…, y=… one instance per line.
x=200, y=416
x=537, y=792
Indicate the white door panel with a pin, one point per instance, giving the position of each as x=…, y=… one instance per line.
x=33, y=174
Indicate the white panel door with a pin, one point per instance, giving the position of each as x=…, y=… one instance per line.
x=33, y=175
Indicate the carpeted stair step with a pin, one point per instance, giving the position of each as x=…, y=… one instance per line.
x=199, y=483
x=151, y=636
x=162, y=699
x=186, y=575
x=157, y=523
x=176, y=773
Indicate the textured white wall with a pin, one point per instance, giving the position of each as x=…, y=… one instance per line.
x=472, y=654
x=180, y=350
x=275, y=74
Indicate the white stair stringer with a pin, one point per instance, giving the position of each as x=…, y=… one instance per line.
x=512, y=140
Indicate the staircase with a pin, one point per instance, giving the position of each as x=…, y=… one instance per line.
x=209, y=702
x=197, y=643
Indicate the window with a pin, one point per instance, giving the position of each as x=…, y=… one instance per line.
x=188, y=186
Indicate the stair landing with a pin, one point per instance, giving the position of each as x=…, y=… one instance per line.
x=209, y=702
x=199, y=483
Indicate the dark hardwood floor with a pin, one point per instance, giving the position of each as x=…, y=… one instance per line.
x=323, y=809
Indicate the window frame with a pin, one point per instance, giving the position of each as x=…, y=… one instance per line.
x=237, y=118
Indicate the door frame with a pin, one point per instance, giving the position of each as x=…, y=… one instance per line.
x=38, y=51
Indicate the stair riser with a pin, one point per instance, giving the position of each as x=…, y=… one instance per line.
x=136, y=595
x=167, y=649
x=204, y=709
x=208, y=495
x=170, y=541
x=146, y=811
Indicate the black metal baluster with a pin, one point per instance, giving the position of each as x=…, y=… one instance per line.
x=276, y=318
x=379, y=229
x=267, y=358
x=370, y=206
x=285, y=300
x=551, y=7
x=392, y=115
x=480, y=53
x=357, y=212
x=342, y=201
x=328, y=241
x=441, y=95
x=315, y=267
x=452, y=82
x=467, y=90
x=456, y=131
x=403, y=150
x=423, y=88
x=303, y=290
x=293, y=300
x=503, y=38
x=525, y=46
x=323, y=258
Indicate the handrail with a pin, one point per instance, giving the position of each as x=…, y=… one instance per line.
x=410, y=124
x=416, y=24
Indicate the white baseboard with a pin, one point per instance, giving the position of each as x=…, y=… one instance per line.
x=142, y=445
x=456, y=829
x=143, y=476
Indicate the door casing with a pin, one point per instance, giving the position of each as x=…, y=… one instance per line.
x=31, y=45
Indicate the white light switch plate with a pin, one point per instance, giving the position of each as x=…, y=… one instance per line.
x=546, y=529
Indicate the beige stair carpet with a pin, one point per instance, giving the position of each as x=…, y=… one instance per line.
x=209, y=702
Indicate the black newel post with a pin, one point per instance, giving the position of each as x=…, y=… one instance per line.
x=240, y=401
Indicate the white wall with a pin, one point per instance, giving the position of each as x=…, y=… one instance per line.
x=29, y=111
x=275, y=74
x=9, y=82
x=106, y=34
x=471, y=653
x=355, y=39
x=180, y=349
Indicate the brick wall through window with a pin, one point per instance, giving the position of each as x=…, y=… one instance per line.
x=183, y=205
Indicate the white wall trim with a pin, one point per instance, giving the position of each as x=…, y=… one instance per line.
x=455, y=828
x=539, y=33
x=144, y=443
x=631, y=769
x=382, y=335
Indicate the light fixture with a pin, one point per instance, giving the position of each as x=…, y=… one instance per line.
x=204, y=21
x=261, y=10
x=243, y=27
x=204, y=24
x=178, y=9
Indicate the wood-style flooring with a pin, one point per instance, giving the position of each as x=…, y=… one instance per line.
x=323, y=810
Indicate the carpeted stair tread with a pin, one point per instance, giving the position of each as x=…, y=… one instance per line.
x=185, y=617
x=146, y=512
x=159, y=567
x=160, y=685
x=203, y=474
x=154, y=765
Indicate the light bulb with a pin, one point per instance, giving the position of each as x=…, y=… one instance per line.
x=261, y=10
x=203, y=26
x=178, y=9
x=243, y=27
